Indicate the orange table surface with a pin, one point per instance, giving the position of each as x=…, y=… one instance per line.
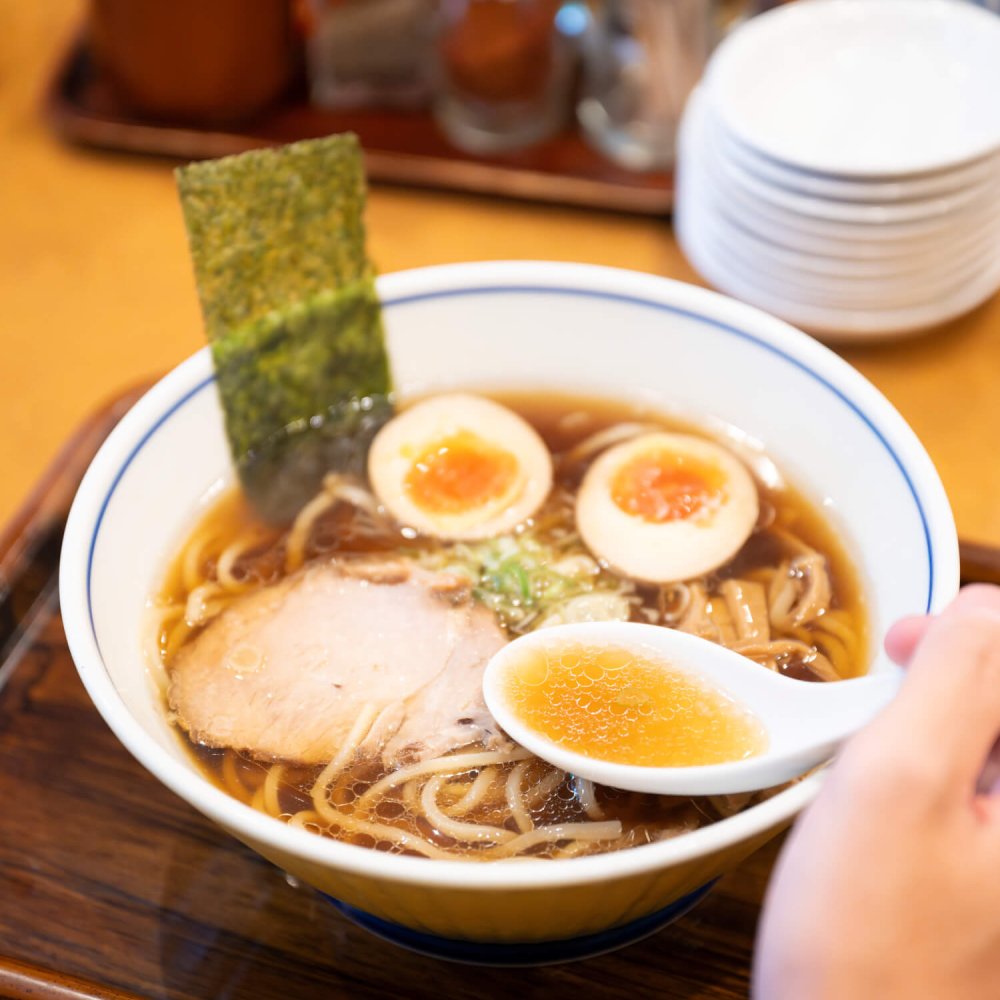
x=97, y=293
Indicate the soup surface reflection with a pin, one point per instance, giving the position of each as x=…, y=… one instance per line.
x=789, y=599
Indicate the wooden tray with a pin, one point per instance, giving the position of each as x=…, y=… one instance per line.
x=400, y=146
x=112, y=888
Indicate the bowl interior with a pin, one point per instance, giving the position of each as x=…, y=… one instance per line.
x=526, y=326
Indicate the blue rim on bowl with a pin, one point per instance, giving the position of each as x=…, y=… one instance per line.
x=518, y=289
x=713, y=317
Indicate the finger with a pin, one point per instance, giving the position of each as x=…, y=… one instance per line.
x=903, y=638
x=948, y=711
x=989, y=777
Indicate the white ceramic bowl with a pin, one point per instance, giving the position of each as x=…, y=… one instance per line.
x=531, y=325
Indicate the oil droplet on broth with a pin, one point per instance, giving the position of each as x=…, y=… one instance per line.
x=624, y=707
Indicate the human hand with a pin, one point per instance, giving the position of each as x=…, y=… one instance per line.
x=889, y=885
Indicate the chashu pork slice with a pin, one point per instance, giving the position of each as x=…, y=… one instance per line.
x=285, y=672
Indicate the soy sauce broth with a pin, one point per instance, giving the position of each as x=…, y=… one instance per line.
x=563, y=420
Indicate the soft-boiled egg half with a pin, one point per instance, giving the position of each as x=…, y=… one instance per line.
x=664, y=507
x=459, y=467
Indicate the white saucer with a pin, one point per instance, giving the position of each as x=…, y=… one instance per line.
x=844, y=248
x=857, y=89
x=963, y=222
x=838, y=188
x=829, y=322
x=840, y=293
x=787, y=278
x=839, y=280
x=916, y=265
x=947, y=205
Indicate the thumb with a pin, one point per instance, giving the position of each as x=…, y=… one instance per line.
x=948, y=710
x=902, y=639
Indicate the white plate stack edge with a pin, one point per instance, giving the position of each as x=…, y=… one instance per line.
x=839, y=166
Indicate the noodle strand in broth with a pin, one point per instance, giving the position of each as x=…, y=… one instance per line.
x=789, y=600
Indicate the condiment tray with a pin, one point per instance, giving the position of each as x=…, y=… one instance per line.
x=404, y=147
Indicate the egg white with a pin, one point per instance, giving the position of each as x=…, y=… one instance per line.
x=672, y=550
x=407, y=436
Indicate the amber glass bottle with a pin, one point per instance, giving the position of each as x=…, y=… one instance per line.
x=503, y=73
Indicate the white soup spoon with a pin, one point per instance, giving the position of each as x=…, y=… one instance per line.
x=799, y=724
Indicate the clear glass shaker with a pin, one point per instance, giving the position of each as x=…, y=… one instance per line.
x=641, y=59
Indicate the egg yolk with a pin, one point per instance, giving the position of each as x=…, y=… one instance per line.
x=459, y=473
x=661, y=486
x=613, y=704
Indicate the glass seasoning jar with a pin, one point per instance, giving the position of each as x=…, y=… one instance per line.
x=641, y=60
x=503, y=73
x=369, y=53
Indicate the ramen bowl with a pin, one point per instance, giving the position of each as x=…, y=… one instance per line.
x=525, y=326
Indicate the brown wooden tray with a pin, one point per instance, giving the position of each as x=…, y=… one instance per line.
x=112, y=888
x=403, y=147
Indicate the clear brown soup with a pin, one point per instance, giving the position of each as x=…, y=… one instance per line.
x=788, y=530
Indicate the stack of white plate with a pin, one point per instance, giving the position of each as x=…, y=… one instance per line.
x=839, y=165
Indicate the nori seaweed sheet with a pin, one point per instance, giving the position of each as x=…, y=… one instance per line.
x=278, y=243
x=323, y=352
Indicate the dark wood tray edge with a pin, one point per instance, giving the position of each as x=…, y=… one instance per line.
x=24, y=981
x=979, y=563
x=31, y=540
x=29, y=546
x=29, y=574
x=76, y=124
